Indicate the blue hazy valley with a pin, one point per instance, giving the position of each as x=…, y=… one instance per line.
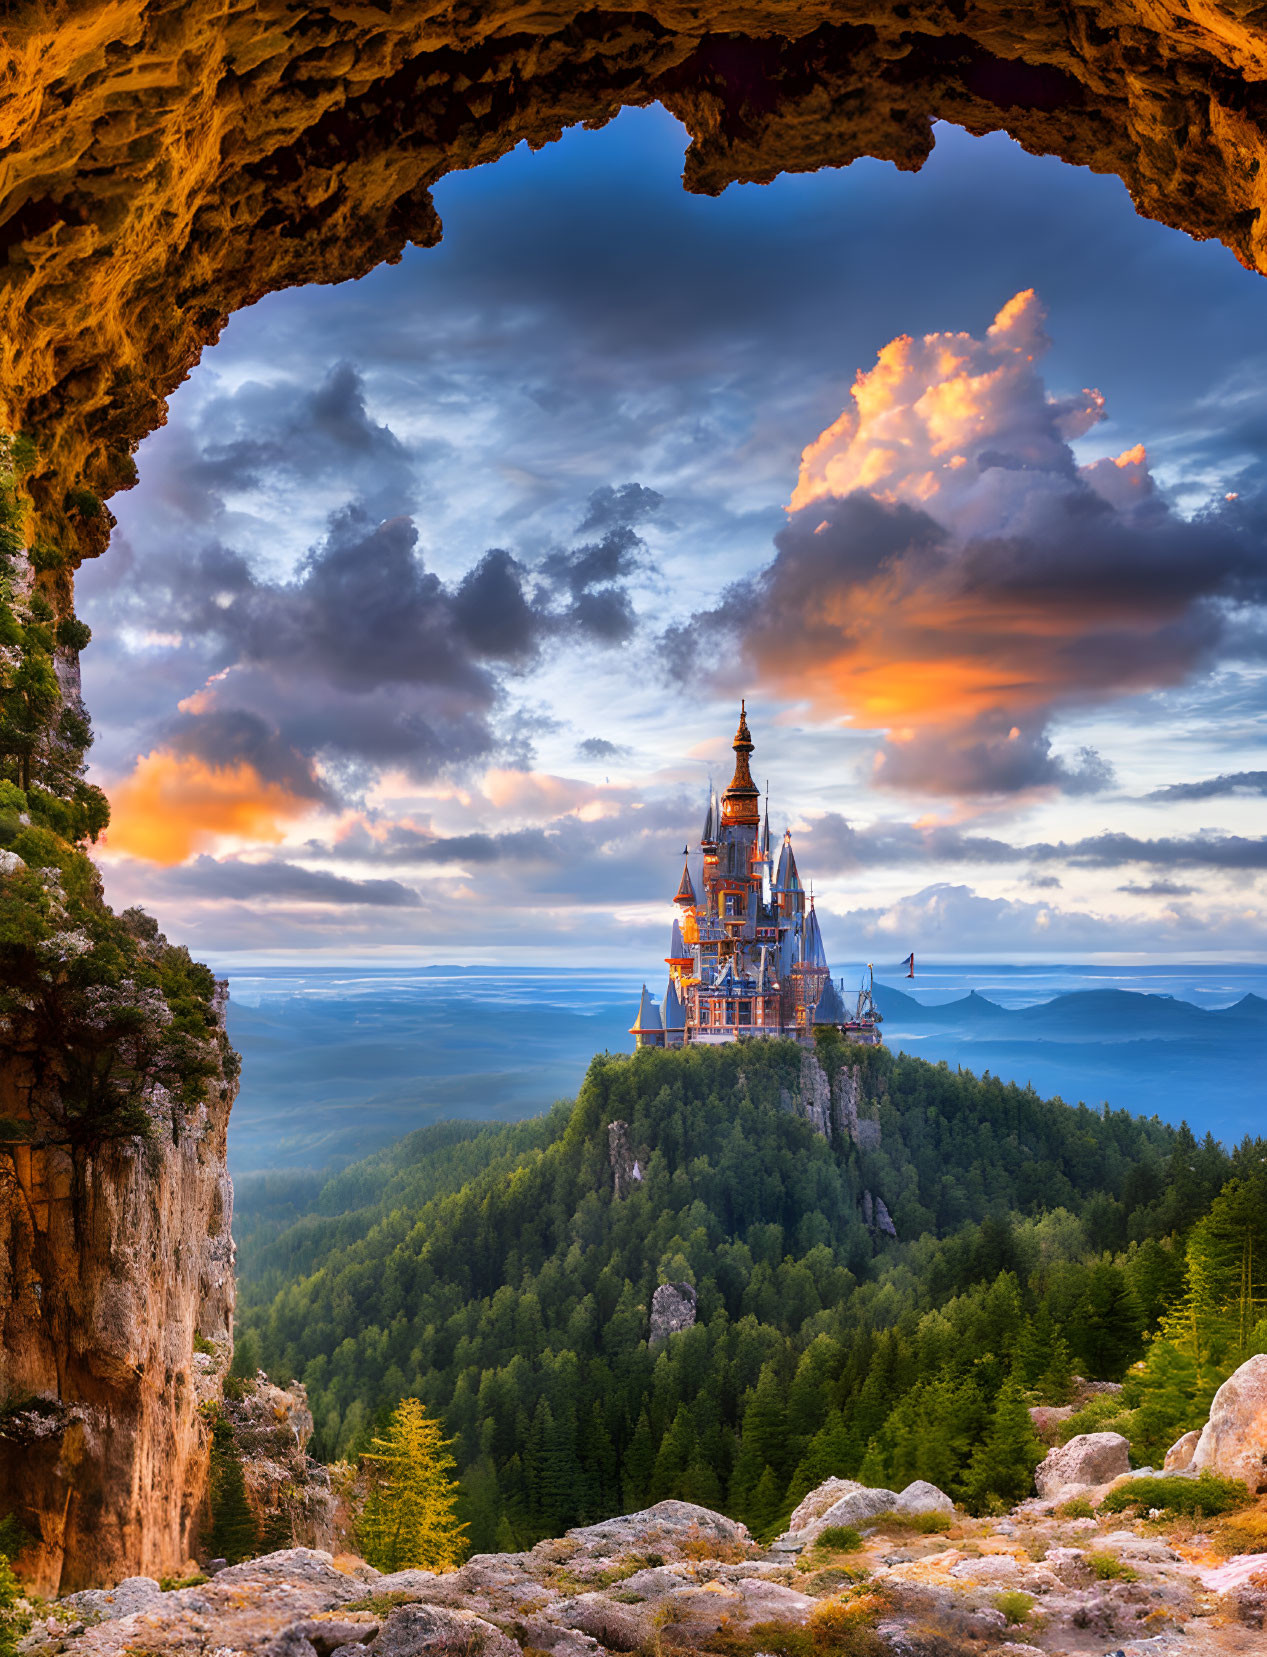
x=338, y=1062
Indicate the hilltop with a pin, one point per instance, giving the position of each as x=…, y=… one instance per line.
x=871, y=1258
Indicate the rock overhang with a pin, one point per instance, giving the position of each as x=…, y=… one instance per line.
x=167, y=166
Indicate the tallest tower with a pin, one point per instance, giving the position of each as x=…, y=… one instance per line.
x=741, y=803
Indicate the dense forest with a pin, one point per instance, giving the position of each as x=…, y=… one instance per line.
x=495, y=1274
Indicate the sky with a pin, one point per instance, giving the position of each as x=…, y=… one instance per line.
x=423, y=633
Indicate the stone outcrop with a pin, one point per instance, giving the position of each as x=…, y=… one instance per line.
x=846, y=1097
x=165, y=166
x=625, y=1167
x=1179, y=1456
x=1233, y=1442
x=815, y=1094
x=288, y=1491
x=846, y=1502
x=113, y=1264
x=672, y=1310
x=1089, y=1459
x=678, y=1578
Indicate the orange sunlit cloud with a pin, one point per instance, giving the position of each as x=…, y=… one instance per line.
x=174, y=805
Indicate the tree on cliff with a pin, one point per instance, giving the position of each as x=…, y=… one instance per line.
x=408, y=1519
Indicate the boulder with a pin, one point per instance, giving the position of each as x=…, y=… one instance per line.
x=819, y=1500
x=134, y=1593
x=660, y=1529
x=1233, y=1442
x=1181, y=1452
x=672, y=1309
x=424, y=1630
x=1089, y=1459
x=922, y=1497
x=854, y=1509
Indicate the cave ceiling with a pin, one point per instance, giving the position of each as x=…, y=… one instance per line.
x=162, y=165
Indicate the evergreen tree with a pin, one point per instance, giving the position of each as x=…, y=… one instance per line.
x=233, y=1534
x=1001, y=1471
x=408, y=1519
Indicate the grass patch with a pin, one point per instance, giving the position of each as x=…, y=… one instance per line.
x=1207, y=1494
x=1015, y=1605
x=834, y=1580
x=935, y=1523
x=1244, y=1532
x=1078, y=1508
x=1107, y=1567
x=838, y=1539
x=381, y=1604
x=171, y=1584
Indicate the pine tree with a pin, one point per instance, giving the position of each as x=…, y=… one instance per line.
x=408, y=1519
x=1001, y=1471
x=234, y=1535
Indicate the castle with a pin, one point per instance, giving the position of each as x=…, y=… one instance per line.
x=746, y=956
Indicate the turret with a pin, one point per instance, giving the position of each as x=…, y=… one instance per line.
x=742, y=800
x=648, y=1028
x=685, y=893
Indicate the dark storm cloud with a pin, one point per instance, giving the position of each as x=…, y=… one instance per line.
x=864, y=598
x=232, y=736
x=265, y=430
x=282, y=882
x=1157, y=889
x=1209, y=788
x=599, y=748
x=835, y=844
x=611, y=508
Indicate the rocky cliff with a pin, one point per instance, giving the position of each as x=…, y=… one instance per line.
x=165, y=165
x=117, y=1261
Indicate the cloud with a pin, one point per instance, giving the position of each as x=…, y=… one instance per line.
x=599, y=748
x=834, y=844
x=174, y=804
x=1157, y=889
x=1233, y=782
x=283, y=882
x=950, y=576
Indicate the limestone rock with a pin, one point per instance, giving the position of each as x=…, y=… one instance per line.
x=660, y=1529
x=845, y=1098
x=325, y=1635
x=417, y=1630
x=852, y=1509
x=867, y=1134
x=1181, y=1452
x=106, y=1279
x=1089, y=1459
x=922, y=1497
x=819, y=1500
x=134, y=1593
x=672, y=1310
x=815, y=1094
x=1233, y=1442
x=288, y=1491
x=883, y=1219
x=626, y=1171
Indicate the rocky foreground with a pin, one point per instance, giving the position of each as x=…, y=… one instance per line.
x=679, y=1578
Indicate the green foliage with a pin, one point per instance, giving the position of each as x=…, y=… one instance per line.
x=83, y=502
x=1077, y=1507
x=172, y=1584
x=232, y=1534
x=205, y=1346
x=1207, y=1494
x=73, y=634
x=408, y=1519
x=1107, y=1567
x=45, y=557
x=492, y=1274
x=16, y=1615
x=838, y=1539
x=1015, y=1605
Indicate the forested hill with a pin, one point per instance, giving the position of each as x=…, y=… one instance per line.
x=497, y=1275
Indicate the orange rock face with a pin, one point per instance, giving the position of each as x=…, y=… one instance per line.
x=110, y=1267
x=165, y=164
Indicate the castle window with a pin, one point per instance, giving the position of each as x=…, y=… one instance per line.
x=730, y=1012
x=745, y=1012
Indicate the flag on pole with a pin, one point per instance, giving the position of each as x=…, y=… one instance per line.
x=909, y=964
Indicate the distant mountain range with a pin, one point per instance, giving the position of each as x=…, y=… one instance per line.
x=337, y=1064
x=1083, y=1015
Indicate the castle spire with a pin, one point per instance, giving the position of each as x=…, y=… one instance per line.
x=741, y=801
x=686, y=891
